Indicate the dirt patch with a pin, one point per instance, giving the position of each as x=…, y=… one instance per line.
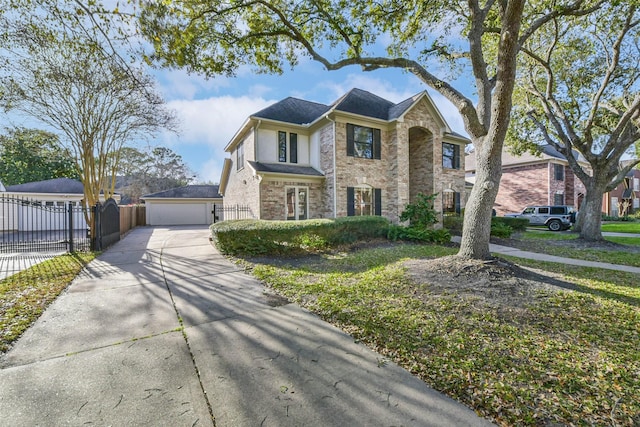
x=496, y=282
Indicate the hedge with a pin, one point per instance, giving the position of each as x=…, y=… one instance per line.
x=260, y=237
x=454, y=223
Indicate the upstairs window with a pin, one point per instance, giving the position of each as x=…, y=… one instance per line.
x=450, y=156
x=240, y=156
x=558, y=199
x=363, y=142
x=558, y=172
x=292, y=145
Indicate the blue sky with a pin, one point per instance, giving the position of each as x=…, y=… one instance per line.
x=211, y=111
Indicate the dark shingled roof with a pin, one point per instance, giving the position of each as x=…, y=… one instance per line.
x=57, y=186
x=284, y=168
x=357, y=101
x=187, y=192
x=361, y=102
x=293, y=110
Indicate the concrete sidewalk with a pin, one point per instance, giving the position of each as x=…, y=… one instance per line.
x=507, y=250
x=163, y=330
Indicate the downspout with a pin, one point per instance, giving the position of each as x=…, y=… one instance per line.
x=335, y=181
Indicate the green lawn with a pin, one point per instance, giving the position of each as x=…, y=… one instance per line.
x=568, y=358
x=622, y=227
x=25, y=295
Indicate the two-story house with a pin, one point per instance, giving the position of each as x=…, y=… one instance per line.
x=625, y=198
x=361, y=155
x=527, y=180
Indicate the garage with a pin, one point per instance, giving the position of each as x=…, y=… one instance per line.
x=189, y=205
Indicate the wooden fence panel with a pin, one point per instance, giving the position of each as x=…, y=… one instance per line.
x=131, y=217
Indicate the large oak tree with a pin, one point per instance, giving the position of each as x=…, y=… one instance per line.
x=481, y=38
x=579, y=91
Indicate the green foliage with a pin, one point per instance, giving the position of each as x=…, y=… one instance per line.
x=453, y=223
x=29, y=155
x=627, y=218
x=500, y=229
x=258, y=237
x=516, y=224
x=416, y=234
x=420, y=213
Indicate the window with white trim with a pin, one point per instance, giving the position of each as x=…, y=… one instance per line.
x=297, y=203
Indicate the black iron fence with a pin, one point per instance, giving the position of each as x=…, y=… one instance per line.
x=28, y=225
x=224, y=212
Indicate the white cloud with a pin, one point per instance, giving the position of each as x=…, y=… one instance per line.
x=179, y=84
x=207, y=125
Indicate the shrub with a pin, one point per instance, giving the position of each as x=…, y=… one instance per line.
x=453, y=223
x=619, y=218
x=260, y=237
x=500, y=229
x=415, y=234
x=516, y=224
x=421, y=213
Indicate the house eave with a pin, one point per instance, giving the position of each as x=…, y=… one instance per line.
x=224, y=176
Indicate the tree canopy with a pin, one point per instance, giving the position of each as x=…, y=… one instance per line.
x=63, y=67
x=579, y=91
x=149, y=171
x=481, y=38
x=29, y=155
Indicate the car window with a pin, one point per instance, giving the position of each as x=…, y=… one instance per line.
x=557, y=210
x=543, y=210
x=528, y=211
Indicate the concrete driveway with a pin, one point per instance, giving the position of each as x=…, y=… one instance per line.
x=163, y=330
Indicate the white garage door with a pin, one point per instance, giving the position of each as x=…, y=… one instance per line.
x=179, y=213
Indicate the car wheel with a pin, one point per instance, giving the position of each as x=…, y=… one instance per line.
x=555, y=225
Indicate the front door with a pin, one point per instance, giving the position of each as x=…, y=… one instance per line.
x=297, y=203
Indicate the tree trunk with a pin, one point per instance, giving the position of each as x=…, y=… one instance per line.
x=590, y=216
x=476, y=230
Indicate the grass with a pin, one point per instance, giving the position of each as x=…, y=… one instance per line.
x=537, y=241
x=622, y=227
x=25, y=295
x=570, y=358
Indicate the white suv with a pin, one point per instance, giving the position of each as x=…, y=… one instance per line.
x=555, y=217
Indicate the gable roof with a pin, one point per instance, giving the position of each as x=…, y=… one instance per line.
x=363, y=103
x=299, y=112
x=293, y=110
x=54, y=186
x=203, y=191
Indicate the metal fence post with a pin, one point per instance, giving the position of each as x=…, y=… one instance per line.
x=70, y=224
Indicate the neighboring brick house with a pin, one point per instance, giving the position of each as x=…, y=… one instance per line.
x=530, y=180
x=361, y=155
x=625, y=196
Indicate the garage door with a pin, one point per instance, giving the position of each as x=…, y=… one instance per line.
x=179, y=213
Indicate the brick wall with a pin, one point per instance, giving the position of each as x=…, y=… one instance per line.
x=522, y=186
x=274, y=198
x=243, y=188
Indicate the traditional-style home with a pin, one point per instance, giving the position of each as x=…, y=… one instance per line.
x=625, y=198
x=529, y=180
x=361, y=155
